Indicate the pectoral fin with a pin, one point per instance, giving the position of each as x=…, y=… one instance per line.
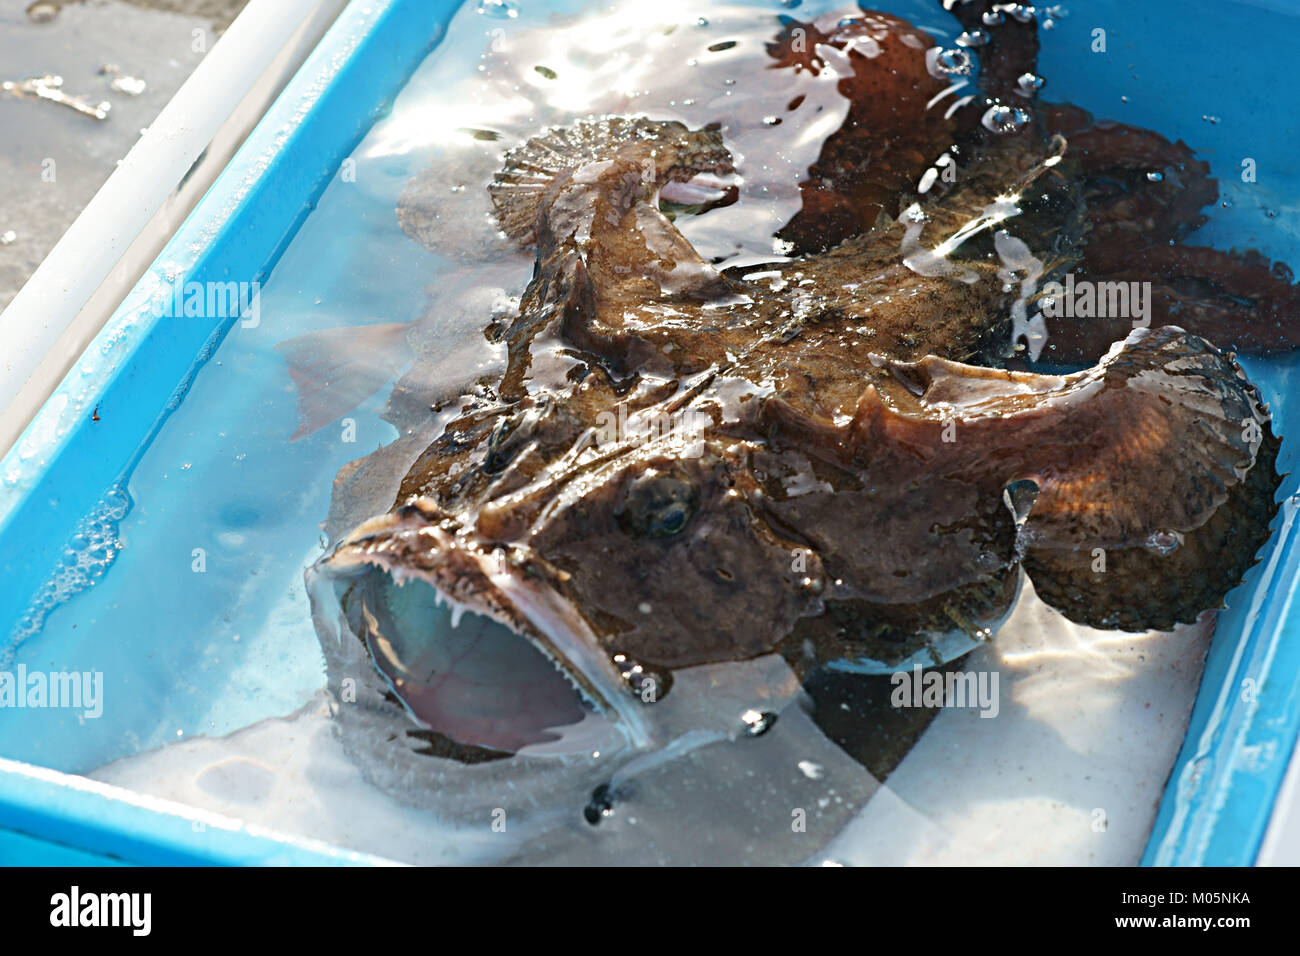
x=1154, y=470
x=338, y=369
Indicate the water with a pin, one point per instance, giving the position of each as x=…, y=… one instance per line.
x=190, y=599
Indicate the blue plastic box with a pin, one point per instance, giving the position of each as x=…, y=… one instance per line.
x=1247, y=716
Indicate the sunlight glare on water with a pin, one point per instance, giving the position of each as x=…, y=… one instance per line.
x=200, y=621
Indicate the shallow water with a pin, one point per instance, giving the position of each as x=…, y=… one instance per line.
x=200, y=624
x=1067, y=772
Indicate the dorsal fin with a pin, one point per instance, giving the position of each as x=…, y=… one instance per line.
x=529, y=170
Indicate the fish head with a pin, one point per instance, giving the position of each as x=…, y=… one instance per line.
x=670, y=558
x=622, y=550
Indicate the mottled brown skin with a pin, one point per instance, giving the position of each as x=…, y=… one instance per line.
x=1132, y=228
x=854, y=484
x=1135, y=230
x=887, y=139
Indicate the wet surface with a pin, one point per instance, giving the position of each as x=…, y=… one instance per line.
x=1087, y=719
x=132, y=56
x=818, y=500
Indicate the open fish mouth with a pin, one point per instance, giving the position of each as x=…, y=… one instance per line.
x=477, y=644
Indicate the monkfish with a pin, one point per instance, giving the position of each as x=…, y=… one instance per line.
x=831, y=456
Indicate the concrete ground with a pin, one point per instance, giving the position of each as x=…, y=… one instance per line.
x=54, y=158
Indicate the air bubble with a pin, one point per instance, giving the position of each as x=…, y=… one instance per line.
x=649, y=685
x=600, y=805
x=971, y=38
x=89, y=552
x=757, y=722
x=498, y=9
x=992, y=18
x=951, y=61
x=1001, y=118
x=1163, y=542
x=1156, y=177
x=813, y=771
x=1028, y=84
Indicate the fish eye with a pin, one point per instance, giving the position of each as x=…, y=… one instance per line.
x=657, y=505
x=509, y=437
x=502, y=444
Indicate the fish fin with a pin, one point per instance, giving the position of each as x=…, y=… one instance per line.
x=520, y=188
x=335, y=370
x=1159, y=461
x=1159, y=431
x=1170, y=428
x=445, y=208
x=1145, y=588
x=1241, y=300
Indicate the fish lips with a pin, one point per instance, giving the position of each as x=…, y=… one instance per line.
x=442, y=618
